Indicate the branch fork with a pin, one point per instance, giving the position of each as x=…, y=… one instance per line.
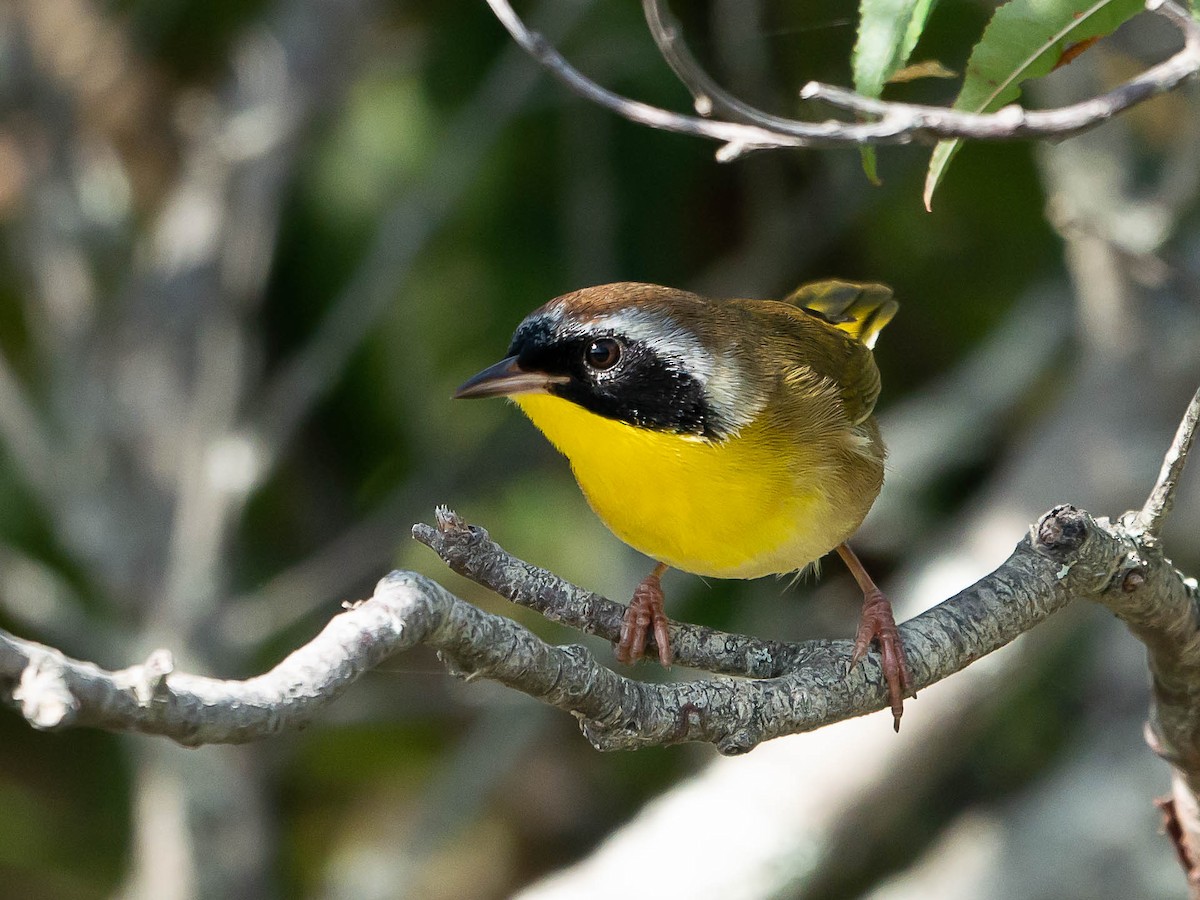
x=741, y=128
x=764, y=689
x=760, y=689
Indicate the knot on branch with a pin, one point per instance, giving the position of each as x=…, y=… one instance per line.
x=44, y=697
x=1060, y=533
x=739, y=742
x=649, y=713
x=148, y=682
x=1133, y=579
x=451, y=533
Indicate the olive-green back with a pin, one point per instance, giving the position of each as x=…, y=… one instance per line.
x=823, y=332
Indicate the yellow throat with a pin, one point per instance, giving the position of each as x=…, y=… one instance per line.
x=749, y=505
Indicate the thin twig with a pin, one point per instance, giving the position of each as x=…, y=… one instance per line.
x=469, y=551
x=897, y=123
x=1154, y=513
x=737, y=137
x=708, y=97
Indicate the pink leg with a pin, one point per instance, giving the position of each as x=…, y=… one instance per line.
x=877, y=623
x=645, y=615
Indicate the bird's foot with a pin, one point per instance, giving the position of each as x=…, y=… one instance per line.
x=645, y=615
x=877, y=623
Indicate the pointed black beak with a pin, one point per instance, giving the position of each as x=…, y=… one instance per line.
x=505, y=379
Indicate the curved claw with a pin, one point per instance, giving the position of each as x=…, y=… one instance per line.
x=878, y=623
x=644, y=615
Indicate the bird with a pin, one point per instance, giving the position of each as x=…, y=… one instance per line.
x=730, y=438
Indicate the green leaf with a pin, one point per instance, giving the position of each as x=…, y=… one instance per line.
x=1024, y=40
x=888, y=31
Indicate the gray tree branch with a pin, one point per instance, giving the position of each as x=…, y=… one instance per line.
x=1068, y=554
x=748, y=128
x=1169, y=625
x=1158, y=505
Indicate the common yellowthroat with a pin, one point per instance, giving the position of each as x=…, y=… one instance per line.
x=731, y=438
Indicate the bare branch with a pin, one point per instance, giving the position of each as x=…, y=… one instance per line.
x=1068, y=554
x=897, y=123
x=1158, y=505
x=737, y=137
x=469, y=551
x=708, y=97
x=53, y=691
x=1168, y=623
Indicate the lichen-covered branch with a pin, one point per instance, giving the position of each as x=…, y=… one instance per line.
x=1069, y=554
x=747, y=128
x=469, y=551
x=1167, y=621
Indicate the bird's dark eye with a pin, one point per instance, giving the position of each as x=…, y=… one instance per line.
x=603, y=353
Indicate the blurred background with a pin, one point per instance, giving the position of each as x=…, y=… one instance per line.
x=247, y=251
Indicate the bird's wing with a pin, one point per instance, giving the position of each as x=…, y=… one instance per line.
x=834, y=310
x=859, y=309
x=812, y=355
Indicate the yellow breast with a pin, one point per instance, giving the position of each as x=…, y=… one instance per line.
x=750, y=505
